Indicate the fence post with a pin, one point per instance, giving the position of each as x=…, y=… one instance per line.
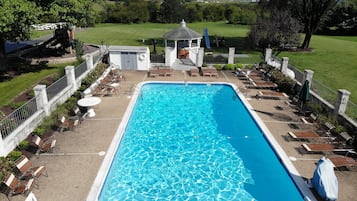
x=200, y=54
x=268, y=52
x=89, y=62
x=341, y=103
x=71, y=78
x=231, y=55
x=41, y=98
x=308, y=74
x=284, y=65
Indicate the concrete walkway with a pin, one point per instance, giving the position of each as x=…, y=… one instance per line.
x=75, y=162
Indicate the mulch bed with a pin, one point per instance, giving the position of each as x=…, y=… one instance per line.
x=25, y=96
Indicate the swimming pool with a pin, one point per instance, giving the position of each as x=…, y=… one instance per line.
x=193, y=142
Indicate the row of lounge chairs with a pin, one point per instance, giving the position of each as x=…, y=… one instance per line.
x=23, y=179
x=109, y=84
x=321, y=141
x=255, y=79
x=327, y=144
x=160, y=71
x=166, y=71
x=258, y=80
x=271, y=95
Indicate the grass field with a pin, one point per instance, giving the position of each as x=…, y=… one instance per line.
x=11, y=89
x=142, y=34
x=333, y=58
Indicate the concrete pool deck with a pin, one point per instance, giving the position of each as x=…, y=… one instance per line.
x=74, y=164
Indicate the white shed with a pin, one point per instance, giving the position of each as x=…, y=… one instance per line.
x=130, y=57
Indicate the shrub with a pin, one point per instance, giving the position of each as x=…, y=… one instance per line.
x=31, y=93
x=24, y=145
x=78, y=45
x=218, y=66
x=39, y=131
x=14, y=155
x=240, y=66
x=230, y=66
x=285, y=84
x=70, y=103
x=5, y=166
x=15, y=105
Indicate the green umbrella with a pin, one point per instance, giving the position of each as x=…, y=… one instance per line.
x=304, y=94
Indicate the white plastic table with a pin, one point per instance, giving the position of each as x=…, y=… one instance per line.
x=89, y=102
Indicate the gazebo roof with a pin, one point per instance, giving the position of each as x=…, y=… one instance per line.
x=182, y=33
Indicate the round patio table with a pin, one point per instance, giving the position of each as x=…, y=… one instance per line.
x=89, y=102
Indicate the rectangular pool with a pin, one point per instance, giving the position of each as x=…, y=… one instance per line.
x=194, y=142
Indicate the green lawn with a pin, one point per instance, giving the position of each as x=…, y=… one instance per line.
x=12, y=88
x=333, y=60
x=135, y=34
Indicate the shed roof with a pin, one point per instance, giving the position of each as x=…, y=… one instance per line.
x=114, y=48
x=182, y=33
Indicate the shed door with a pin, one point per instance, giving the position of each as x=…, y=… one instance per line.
x=128, y=61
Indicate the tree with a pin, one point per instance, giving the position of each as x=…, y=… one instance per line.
x=275, y=31
x=154, y=7
x=76, y=12
x=171, y=11
x=341, y=20
x=20, y=15
x=311, y=13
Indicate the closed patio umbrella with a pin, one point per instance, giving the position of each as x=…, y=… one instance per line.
x=325, y=180
x=304, y=94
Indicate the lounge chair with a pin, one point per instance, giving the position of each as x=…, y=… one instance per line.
x=343, y=161
x=205, y=71
x=194, y=72
x=345, y=138
x=323, y=147
x=79, y=114
x=14, y=186
x=116, y=75
x=107, y=88
x=165, y=71
x=329, y=126
x=241, y=74
x=64, y=124
x=153, y=72
x=263, y=85
x=211, y=72
x=305, y=135
x=26, y=170
x=31, y=197
x=311, y=119
x=43, y=145
x=271, y=95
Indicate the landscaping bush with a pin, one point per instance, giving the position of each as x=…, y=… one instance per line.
x=14, y=155
x=240, y=66
x=285, y=84
x=218, y=66
x=39, y=131
x=230, y=67
x=24, y=145
x=5, y=166
x=15, y=105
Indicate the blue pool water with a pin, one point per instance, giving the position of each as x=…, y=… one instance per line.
x=195, y=142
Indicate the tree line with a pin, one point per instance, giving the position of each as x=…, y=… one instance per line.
x=173, y=11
